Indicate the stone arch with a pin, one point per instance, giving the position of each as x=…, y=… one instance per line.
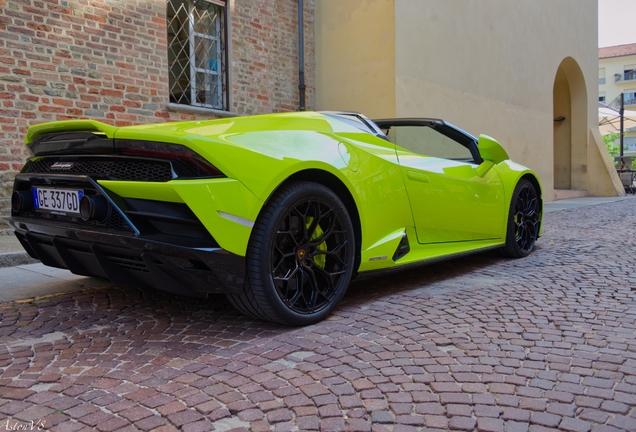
x=570, y=127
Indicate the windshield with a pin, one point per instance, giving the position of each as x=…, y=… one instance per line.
x=358, y=121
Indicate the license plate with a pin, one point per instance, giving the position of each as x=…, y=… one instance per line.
x=60, y=201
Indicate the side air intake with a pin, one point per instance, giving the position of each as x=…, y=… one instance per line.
x=403, y=248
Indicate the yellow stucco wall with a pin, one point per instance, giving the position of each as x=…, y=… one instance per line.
x=488, y=66
x=355, y=59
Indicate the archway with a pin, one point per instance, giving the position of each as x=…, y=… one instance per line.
x=570, y=127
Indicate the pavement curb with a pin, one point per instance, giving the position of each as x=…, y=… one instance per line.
x=12, y=259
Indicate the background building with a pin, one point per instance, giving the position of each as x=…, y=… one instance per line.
x=523, y=72
x=138, y=61
x=616, y=75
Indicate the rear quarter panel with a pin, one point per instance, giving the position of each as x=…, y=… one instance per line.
x=370, y=173
x=262, y=152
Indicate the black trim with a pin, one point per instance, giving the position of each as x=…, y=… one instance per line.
x=387, y=271
x=77, y=142
x=132, y=260
x=85, y=153
x=447, y=129
x=107, y=167
x=356, y=120
x=116, y=221
x=403, y=248
x=159, y=218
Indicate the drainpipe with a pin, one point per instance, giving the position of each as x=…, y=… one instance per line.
x=621, y=163
x=301, y=57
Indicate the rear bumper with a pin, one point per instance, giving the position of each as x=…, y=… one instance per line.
x=130, y=259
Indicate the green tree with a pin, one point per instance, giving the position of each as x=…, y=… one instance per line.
x=611, y=142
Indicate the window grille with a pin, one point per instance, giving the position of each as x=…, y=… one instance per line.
x=197, y=55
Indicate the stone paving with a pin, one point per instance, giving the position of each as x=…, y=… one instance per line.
x=477, y=343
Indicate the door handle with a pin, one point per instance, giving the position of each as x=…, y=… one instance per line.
x=415, y=176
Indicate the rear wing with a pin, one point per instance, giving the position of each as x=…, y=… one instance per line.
x=100, y=129
x=71, y=136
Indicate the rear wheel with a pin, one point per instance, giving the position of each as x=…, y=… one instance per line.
x=300, y=257
x=523, y=221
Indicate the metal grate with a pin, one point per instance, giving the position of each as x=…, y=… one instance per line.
x=128, y=263
x=197, y=53
x=112, y=168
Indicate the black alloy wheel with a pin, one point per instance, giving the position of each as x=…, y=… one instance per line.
x=308, y=257
x=524, y=221
x=300, y=257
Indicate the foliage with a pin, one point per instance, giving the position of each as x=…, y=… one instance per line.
x=611, y=142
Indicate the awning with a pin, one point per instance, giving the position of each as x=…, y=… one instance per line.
x=609, y=119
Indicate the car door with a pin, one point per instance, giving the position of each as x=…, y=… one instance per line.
x=454, y=195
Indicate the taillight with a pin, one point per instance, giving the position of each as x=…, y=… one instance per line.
x=185, y=162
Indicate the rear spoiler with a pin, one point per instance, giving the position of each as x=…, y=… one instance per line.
x=100, y=129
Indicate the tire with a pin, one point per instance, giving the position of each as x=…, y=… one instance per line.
x=524, y=219
x=300, y=257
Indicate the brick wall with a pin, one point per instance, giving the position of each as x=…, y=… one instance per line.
x=265, y=39
x=107, y=60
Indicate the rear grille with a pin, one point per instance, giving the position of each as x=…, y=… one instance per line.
x=107, y=167
x=115, y=221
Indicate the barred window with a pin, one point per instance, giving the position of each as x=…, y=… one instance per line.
x=197, y=53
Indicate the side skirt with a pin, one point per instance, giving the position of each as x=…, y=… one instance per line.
x=412, y=265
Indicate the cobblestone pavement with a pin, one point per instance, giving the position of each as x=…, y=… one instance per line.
x=477, y=343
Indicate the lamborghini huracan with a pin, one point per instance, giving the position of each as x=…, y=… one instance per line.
x=279, y=212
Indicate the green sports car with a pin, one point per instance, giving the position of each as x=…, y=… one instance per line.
x=279, y=212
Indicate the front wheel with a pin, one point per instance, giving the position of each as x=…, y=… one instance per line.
x=524, y=219
x=300, y=257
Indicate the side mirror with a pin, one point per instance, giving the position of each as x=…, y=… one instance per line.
x=491, y=150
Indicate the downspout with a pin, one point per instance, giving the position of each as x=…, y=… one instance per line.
x=301, y=57
x=621, y=161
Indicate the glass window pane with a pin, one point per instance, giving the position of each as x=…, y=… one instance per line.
x=205, y=17
x=428, y=142
x=208, y=89
x=195, y=44
x=206, y=54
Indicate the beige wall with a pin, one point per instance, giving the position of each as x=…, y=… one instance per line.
x=355, y=60
x=489, y=66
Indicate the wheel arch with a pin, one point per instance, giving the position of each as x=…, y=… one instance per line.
x=535, y=182
x=336, y=185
